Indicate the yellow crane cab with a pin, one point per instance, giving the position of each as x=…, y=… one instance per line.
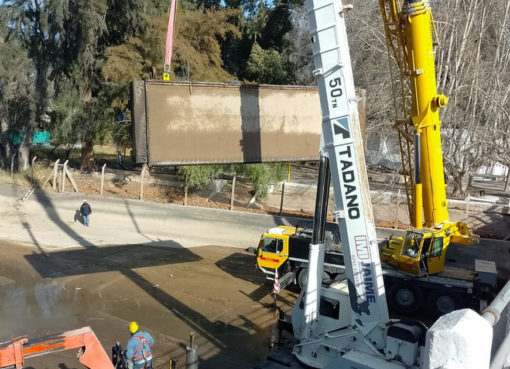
x=420, y=252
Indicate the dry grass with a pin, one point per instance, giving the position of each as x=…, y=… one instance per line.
x=41, y=173
x=18, y=179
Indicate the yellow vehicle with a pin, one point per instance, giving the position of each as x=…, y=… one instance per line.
x=284, y=249
x=409, y=36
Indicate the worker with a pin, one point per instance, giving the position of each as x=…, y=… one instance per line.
x=138, y=348
x=120, y=161
x=85, y=211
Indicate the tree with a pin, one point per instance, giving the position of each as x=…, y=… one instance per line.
x=473, y=71
x=16, y=87
x=29, y=28
x=197, y=45
x=262, y=175
x=267, y=66
x=197, y=175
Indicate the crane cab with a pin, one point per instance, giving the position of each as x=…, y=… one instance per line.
x=420, y=252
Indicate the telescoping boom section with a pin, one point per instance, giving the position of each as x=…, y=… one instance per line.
x=345, y=324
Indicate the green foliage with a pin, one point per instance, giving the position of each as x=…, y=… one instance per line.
x=267, y=66
x=262, y=175
x=194, y=176
x=197, y=51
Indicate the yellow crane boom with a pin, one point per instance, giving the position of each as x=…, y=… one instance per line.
x=409, y=34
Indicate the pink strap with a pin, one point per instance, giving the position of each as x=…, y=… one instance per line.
x=170, y=36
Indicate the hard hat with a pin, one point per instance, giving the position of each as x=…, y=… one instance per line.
x=84, y=200
x=133, y=327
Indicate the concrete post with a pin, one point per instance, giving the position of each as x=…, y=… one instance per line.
x=32, y=170
x=461, y=339
x=55, y=173
x=192, y=353
x=12, y=163
x=398, y=205
x=102, y=178
x=63, y=184
x=467, y=205
x=144, y=168
x=232, y=193
x=281, y=201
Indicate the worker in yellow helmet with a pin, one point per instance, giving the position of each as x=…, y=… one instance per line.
x=138, y=348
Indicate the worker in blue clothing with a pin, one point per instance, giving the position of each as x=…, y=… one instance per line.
x=138, y=348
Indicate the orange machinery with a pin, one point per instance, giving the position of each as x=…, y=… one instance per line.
x=90, y=353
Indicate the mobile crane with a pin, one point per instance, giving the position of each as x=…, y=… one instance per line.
x=414, y=265
x=331, y=335
x=362, y=337
x=409, y=38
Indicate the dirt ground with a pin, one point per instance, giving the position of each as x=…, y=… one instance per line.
x=226, y=306
x=212, y=291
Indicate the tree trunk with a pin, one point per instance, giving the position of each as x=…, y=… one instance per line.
x=87, y=156
x=6, y=143
x=24, y=149
x=459, y=184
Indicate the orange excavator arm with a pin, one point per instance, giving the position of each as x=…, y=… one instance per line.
x=90, y=353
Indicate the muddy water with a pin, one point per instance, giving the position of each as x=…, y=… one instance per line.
x=211, y=291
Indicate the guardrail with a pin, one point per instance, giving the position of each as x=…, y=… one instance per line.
x=493, y=314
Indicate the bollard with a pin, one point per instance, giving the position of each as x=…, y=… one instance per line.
x=102, y=178
x=191, y=353
x=32, y=170
x=12, y=163
x=173, y=363
x=281, y=200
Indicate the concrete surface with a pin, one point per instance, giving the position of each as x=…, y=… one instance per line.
x=459, y=340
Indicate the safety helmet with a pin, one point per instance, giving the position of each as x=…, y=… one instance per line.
x=133, y=327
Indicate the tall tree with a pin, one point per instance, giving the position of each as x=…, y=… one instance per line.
x=28, y=24
x=473, y=61
x=16, y=88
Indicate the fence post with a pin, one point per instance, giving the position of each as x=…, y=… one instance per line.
x=467, y=205
x=102, y=178
x=232, y=193
x=32, y=170
x=144, y=168
x=281, y=201
x=398, y=206
x=55, y=172
x=12, y=162
x=63, y=184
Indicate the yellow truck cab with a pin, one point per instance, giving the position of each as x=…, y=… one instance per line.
x=273, y=248
x=285, y=249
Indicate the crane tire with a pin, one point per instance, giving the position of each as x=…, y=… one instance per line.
x=302, y=277
x=444, y=302
x=405, y=298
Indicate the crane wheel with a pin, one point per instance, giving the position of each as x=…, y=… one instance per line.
x=302, y=277
x=405, y=298
x=444, y=302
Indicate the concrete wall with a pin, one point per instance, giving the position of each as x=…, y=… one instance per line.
x=205, y=123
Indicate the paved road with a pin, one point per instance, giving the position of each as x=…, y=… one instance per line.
x=47, y=221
